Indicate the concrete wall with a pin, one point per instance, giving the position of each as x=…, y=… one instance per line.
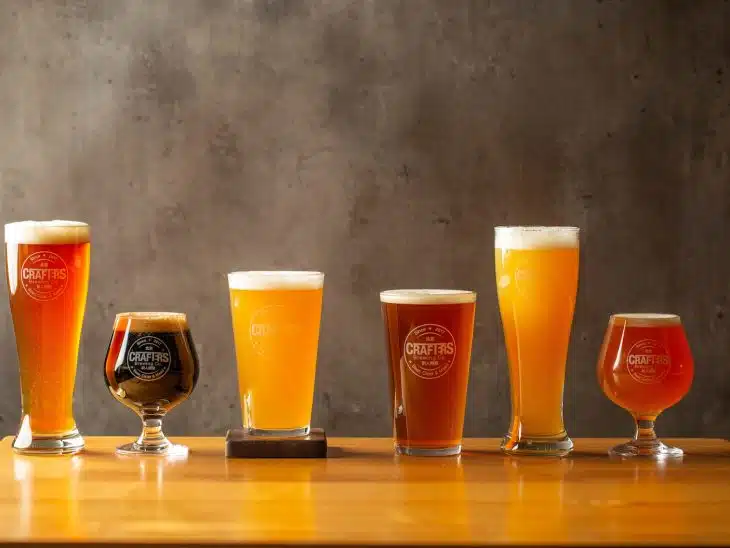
x=379, y=141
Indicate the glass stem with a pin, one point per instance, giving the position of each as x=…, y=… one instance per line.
x=152, y=435
x=645, y=435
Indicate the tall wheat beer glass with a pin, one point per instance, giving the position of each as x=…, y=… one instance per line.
x=47, y=271
x=276, y=318
x=537, y=281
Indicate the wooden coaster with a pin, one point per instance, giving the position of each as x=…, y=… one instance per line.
x=241, y=445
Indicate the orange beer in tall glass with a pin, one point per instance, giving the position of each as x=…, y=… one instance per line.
x=47, y=271
x=537, y=281
x=276, y=317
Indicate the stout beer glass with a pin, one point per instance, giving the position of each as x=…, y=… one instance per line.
x=429, y=334
x=47, y=271
x=537, y=280
x=151, y=366
x=276, y=319
x=645, y=367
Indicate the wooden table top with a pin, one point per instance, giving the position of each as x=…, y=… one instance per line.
x=363, y=494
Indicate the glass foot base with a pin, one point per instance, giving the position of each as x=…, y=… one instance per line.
x=166, y=450
x=550, y=447
x=650, y=450
x=422, y=452
x=293, y=433
x=44, y=445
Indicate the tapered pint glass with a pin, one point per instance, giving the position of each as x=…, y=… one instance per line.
x=537, y=281
x=47, y=271
x=429, y=336
x=276, y=318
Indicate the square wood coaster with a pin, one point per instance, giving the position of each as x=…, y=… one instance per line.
x=241, y=445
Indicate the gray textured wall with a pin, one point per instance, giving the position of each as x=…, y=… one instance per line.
x=379, y=141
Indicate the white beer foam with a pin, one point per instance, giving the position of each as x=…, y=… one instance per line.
x=428, y=296
x=47, y=232
x=275, y=279
x=535, y=237
x=646, y=319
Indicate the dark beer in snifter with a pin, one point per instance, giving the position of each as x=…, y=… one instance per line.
x=151, y=367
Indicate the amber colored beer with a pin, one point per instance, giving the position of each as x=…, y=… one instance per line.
x=537, y=280
x=276, y=317
x=47, y=270
x=429, y=336
x=645, y=364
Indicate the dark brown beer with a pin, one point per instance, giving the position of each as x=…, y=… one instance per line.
x=151, y=362
x=429, y=335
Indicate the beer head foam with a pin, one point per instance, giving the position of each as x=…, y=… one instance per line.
x=535, y=237
x=152, y=322
x=275, y=279
x=47, y=232
x=645, y=319
x=428, y=296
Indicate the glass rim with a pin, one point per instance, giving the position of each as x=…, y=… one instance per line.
x=53, y=232
x=275, y=279
x=538, y=228
x=428, y=296
x=645, y=319
x=536, y=237
x=151, y=316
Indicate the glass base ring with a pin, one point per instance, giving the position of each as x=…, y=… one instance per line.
x=428, y=452
x=49, y=445
x=291, y=433
x=654, y=450
x=549, y=447
x=164, y=450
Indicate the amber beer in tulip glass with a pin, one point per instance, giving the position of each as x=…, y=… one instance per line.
x=645, y=367
x=47, y=271
x=429, y=335
x=276, y=317
x=537, y=280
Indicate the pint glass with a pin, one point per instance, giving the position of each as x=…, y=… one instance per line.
x=276, y=318
x=429, y=334
x=645, y=367
x=537, y=280
x=47, y=271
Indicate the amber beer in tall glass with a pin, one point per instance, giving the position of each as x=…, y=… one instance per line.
x=276, y=317
x=429, y=335
x=537, y=281
x=47, y=271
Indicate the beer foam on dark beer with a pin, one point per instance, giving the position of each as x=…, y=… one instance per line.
x=535, y=237
x=428, y=296
x=262, y=280
x=151, y=322
x=645, y=319
x=47, y=232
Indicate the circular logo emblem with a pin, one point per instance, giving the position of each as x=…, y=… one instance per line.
x=271, y=329
x=429, y=351
x=648, y=362
x=149, y=358
x=44, y=275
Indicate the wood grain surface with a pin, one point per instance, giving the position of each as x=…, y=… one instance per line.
x=363, y=494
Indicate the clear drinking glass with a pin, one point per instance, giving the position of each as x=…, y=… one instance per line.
x=47, y=270
x=276, y=317
x=151, y=367
x=645, y=367
x=537, y=282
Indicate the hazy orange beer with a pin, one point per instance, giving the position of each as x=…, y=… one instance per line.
x=276, y=317
x=47, y=271
x=537, y=281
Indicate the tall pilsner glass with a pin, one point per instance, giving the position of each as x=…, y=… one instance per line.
x=47, y=269
x=537, y=281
